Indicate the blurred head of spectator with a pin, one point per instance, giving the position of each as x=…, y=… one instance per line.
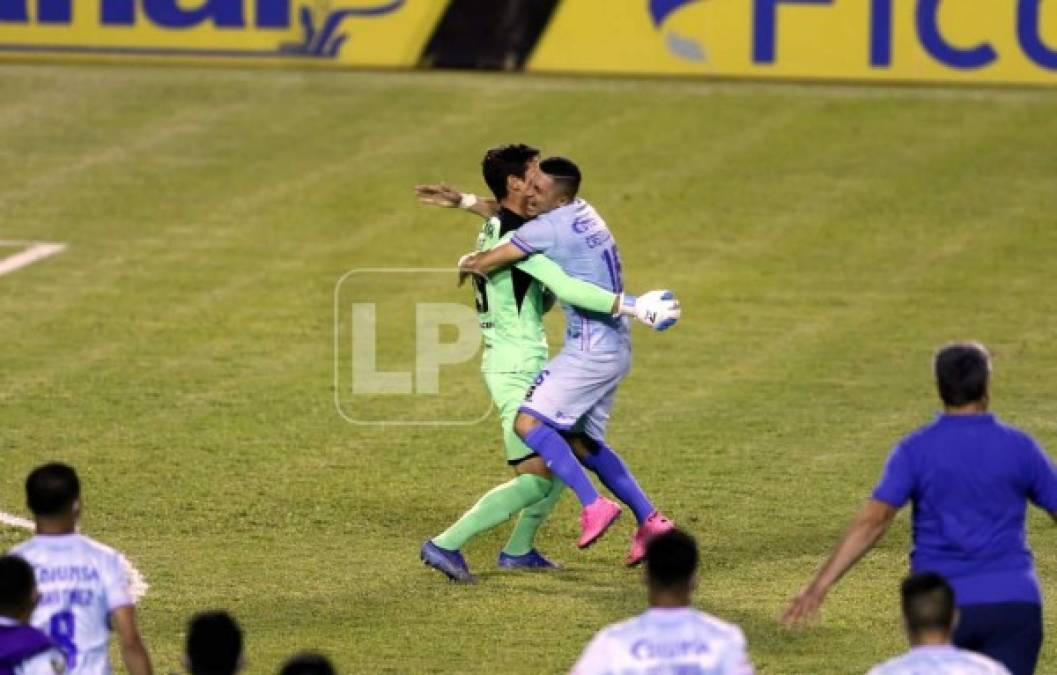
x=214, y=644
x=307, y=663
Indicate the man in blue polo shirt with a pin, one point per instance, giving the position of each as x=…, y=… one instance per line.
x=970, y=478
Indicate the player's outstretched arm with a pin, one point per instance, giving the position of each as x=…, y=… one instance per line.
x=133, y=651
x=657, y=309
x=571, y=291
x=446, y=196
x=867, y=527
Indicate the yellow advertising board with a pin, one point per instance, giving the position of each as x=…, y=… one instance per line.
x=350, y=32
x=1003, y=41
x=976, y=41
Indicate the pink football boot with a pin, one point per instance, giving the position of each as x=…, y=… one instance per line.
x=595, y=519
x=655, y=525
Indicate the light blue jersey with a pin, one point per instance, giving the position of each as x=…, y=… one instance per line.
x=679, y=641
x=576, y=237
x=940, y=660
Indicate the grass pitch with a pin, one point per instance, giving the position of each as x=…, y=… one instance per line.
x=180, y=352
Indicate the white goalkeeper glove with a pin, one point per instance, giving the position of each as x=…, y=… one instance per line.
x=657, y=309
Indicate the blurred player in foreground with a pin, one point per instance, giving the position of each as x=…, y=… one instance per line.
x=574, y=393
x=83, y=584
x=671, y=636
x=970, y=479
x=24, y=650
x=307, y=663
x=929, y=617
x=510, y=309
x=214, y=644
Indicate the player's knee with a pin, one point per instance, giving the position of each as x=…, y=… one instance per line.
x=534, y=466
x=524, y=424
x=583, y=446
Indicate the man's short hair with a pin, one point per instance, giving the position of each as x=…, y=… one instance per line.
x=214, y=644
x=671, y=560
x=17, y=583
x=307, y=663
x=52, y=489
x=501, y=162
x=928, y=603
x=564, y=172
x=963, y=371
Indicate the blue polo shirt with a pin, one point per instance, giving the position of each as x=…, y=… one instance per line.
x=970, y=479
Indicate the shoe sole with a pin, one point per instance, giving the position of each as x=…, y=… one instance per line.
x=601, y=532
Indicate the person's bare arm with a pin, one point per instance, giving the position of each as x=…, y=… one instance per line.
x=867, y=527
x=133, y=651
x=446, y=196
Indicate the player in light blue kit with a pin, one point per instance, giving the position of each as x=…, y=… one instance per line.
x=571, y=399
x=929, y=617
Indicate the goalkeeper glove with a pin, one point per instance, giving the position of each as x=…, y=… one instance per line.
x=657, y=309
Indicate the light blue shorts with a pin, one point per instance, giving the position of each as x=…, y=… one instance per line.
x=575, y=391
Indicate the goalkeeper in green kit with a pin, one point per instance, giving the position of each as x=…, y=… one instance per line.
x=510, y=307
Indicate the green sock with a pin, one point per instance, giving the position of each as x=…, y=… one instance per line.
x=492, y=509
x=524, y=535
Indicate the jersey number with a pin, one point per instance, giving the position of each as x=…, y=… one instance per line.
x=616, y=272
x=62, y=631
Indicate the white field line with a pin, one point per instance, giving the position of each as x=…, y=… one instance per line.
x=37, y=251
x=138, y=585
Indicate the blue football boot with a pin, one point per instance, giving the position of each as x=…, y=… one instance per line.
x=531, y=560
x=449, y=563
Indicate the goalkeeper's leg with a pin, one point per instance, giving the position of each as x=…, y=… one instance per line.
x=494, y=508
x=523, y=538
x=532, y=484
x=520, y=550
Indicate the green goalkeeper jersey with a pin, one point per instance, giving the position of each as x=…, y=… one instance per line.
x=511, y=304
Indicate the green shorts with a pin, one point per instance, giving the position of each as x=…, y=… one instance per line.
x=508, y=392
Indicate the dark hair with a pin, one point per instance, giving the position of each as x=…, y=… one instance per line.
x=501, y=162
x=963, y=370
x=52, y=489
x=928, y=603
x=214, y=644
x=17, y=583
x=671, y=559
x=565, y=174
x=307, y=663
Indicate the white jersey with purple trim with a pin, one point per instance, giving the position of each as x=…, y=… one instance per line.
x=940, y=660
x=680, y=641
x=80, y=582
x=577, y=238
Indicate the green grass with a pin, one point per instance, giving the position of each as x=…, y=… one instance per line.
x=180, y=352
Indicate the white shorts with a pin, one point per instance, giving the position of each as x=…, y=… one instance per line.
x=575, y=391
